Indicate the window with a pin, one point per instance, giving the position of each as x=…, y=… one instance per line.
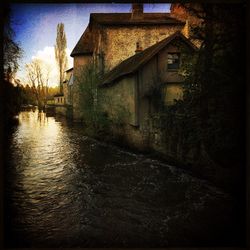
x=173, y=61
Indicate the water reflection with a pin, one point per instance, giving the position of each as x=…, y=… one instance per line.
x=65, y=189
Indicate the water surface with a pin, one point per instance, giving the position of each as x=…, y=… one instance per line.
x=65, y=189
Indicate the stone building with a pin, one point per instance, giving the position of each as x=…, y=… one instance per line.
x=138, y=83
x=111, y=38
x=59, y=99
x=67, y=86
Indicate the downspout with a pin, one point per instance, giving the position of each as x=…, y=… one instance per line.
x=137, y=99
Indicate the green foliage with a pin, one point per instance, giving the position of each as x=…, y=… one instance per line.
x=28, y=95
x=91, y=99
x=99, y=114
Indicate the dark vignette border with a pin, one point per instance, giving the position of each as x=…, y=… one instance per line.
x=245, y=110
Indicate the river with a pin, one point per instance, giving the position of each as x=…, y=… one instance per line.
x=63, y=189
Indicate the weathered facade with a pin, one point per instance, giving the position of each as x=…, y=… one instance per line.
x=111, y=38
x=138, y=83
x=67, y=86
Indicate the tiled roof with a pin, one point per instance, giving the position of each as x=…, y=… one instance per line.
x=125, y=19
x=69, y=69
x=84, y=45
x=132, y=64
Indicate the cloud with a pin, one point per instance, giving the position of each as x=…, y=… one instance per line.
x=47, y=56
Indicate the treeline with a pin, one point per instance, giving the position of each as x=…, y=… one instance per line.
x=17, y=96
x=11, y=56
x=12, y=100
x=38, y=91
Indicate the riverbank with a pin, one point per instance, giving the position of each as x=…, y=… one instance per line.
x=230, y=180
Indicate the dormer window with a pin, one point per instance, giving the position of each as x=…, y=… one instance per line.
x=173, y=61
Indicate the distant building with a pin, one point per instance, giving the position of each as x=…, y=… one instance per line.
x=59, y=99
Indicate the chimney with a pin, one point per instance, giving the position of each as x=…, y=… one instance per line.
x=138, y=48
x=137, y=11
x=186, y=30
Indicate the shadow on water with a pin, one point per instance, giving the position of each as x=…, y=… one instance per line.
x=63, y=189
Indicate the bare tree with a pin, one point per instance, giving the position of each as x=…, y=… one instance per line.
x=60, y=53
x=31, y=74
x=38, y=74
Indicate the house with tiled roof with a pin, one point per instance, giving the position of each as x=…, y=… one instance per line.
x=111, y=38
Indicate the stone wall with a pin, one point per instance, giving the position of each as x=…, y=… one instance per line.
x=170, y=136
x=66, y=92
x=155, y=136
x=119, y=99
x=79, y=62
x=119, y=43
x=131, y=136
x=164, y=134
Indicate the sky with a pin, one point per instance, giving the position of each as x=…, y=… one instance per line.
x=35, y=29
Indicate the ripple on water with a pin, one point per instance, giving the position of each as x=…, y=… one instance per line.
x=69, y=189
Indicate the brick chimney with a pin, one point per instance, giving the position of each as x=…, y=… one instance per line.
x=137, y=11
